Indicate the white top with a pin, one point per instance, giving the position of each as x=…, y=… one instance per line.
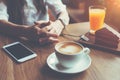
x=32, y=15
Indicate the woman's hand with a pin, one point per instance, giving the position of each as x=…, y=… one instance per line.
x=56, y=27
x=38, y=33
x=48, y=38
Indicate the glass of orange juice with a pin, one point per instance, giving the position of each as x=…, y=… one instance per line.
x=96, y=18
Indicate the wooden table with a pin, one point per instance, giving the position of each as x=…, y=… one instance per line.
x=105, y=65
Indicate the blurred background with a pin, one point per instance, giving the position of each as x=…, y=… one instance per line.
x=78, y=10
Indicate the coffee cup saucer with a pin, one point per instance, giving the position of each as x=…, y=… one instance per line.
x=54, y=65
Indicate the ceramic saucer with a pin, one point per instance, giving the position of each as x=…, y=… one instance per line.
x=54, y=65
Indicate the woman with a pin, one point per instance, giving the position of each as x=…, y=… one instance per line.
x=30, y=19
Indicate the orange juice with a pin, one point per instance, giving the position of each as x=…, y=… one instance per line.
x=96, y=17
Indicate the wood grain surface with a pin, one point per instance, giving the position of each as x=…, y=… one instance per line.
x=105, y=65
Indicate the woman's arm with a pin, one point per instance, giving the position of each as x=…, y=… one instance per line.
x=34, y=33
x=7, y=27
x=60, y=12
x=12, y=29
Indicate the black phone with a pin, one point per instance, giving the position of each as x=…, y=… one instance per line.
x=19, y=51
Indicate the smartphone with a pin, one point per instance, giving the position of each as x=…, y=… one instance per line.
x=19, y=52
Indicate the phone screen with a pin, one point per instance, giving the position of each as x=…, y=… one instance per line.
x=18, y=50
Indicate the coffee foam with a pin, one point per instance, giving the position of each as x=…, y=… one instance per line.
x=69, y=48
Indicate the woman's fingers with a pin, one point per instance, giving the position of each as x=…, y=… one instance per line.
x=57, y=27
x=42, y=24
x=49, y=34
x=47, y=40
x=44, y=37
x=52, y=39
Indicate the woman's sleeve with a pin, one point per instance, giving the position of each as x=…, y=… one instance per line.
x=57, y=7
x=3, y=12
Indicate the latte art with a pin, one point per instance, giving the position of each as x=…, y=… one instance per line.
x=69, y=53
x=69, y=48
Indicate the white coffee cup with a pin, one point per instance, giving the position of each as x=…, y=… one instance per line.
x=70, y=53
